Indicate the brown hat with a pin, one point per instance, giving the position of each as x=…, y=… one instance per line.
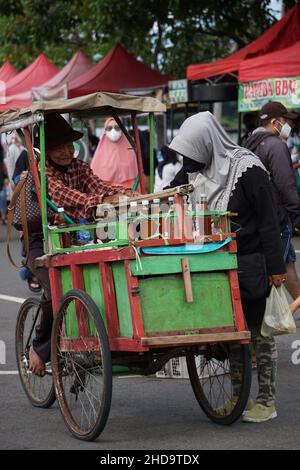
x=58, y=131
x=274, y=109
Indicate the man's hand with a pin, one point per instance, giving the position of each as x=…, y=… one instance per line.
x=130, y=193
x=111, y=199
x=277, y=279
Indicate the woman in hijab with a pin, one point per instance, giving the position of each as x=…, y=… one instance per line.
x=115, y=160
x=234, y=179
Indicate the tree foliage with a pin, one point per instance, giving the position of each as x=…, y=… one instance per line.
x=167, y=34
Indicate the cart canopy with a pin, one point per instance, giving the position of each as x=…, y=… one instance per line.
x=85, y=107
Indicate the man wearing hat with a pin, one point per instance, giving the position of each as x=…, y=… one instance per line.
x=72, y=185
x=269, y=142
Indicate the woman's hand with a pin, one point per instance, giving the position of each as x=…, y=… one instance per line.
x=277, y=279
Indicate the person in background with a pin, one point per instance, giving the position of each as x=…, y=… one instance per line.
x=3, y=174
x=168, y=167
x=115, y=160
x=269, y=142
x=33, y=283
x=250, y=122
x=293, y=143
x=14, y=150
x=144, y=136
x=235, y=179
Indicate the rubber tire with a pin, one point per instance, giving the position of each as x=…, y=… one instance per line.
x=50, y=399
x=201, y=397
x=106, y=361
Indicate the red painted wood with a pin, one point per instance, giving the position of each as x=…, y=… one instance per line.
x=93, y=256
x=236, y=300
x=109, y=300
x=126, y=344
x=134, y=300
x=84, y=344
x=56, y=287
x=78, y=283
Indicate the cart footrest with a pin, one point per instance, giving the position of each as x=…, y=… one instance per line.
x=195, y=339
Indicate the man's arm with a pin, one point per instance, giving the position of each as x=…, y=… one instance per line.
x=283, y=178
x=76, y=203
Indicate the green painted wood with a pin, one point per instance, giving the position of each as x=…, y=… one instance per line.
x=71, y=325
x=123, y=305
x=164, y=307
x=171, y=264
x=93, y=287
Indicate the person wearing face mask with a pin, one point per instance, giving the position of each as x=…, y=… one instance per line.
x=72, y=185
x=235, y=179
x=268, y=141
x=114, y=160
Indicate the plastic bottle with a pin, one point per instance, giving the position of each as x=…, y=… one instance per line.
x=156, y=223
x=133, y=226
x=65, y=237
x=145, y=223
x=206, y=220
x=83, y=236
x=171, y=217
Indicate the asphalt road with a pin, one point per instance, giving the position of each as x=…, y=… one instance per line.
x=146, y=413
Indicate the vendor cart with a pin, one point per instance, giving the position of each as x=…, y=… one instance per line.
x=133, y=301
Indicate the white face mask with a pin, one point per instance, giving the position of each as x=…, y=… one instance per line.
x=114, y=135
x=285, y=131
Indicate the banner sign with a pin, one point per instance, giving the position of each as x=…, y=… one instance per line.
x=178, y=91
x=253, y=95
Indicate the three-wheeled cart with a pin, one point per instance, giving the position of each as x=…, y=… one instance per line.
x=133, y=302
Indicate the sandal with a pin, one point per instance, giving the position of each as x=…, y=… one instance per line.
x=34, y=285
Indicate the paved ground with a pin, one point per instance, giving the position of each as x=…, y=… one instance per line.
x=146, y=413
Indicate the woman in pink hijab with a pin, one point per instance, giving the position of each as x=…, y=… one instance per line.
x=114, y=160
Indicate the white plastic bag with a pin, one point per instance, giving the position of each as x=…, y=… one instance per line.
x=278, y=319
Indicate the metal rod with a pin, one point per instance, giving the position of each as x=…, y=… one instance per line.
x=151, y=117
x=138, y=151
x=43, y=184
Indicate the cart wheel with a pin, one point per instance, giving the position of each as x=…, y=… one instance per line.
x=81, y=361
x=221, y=379
x=40, y=390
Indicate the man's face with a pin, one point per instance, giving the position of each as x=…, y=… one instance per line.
x=63, y=154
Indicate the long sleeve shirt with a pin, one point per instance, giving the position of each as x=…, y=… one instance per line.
x=77, y=189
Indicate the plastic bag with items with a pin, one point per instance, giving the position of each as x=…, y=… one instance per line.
x=278, y=319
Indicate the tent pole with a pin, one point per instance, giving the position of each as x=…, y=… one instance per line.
x=138, y=151
x=151, y=117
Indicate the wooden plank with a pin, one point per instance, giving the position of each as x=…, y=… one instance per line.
x=171, y=264
x=164, y=306
x=187, y=280
x=195, y=339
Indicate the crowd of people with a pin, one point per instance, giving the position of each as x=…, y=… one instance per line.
x=255, y=181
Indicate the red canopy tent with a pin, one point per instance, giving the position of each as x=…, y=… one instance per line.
x=281, y=35
x=117, y=71
x=283, y=63
x=55, y=87
x=7, y=71
x=35, y=74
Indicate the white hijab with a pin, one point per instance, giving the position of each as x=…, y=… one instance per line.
x=202, y=139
